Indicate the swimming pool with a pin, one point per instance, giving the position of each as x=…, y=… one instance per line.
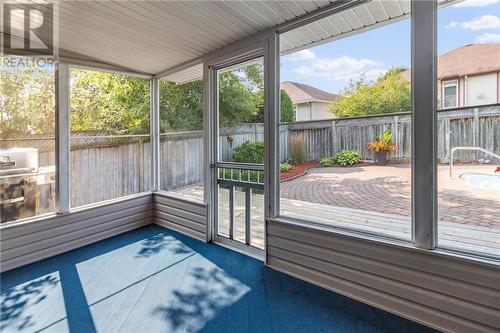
x=482, y=180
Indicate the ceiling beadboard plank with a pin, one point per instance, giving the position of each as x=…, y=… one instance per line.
x=364, y=15
x=392, y=8
x=340, y=22
x=281, y=10
x=93, y=26
x=293, y=7
x=351, y=19
x=220, y=16
x=307, y=5
x=142, y=16
x=170, y=26
x=204, y=23
x=171, y=12
x=248, y=8
x=377, y=10
x=229, y=10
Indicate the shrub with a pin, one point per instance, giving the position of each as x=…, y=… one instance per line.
x=297, y=149
x=348, y=157
x=286, y=167
x=249, y=152
x=328, y=161
x=344, y=157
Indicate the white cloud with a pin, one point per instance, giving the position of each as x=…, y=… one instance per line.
x=476, y=3
x=478, y=23
x=342, y=68
x=302, y=55
x=488, y=38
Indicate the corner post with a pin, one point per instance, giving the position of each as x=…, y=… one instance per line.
x=62, y=139
x=155, y=134
x=424, y=168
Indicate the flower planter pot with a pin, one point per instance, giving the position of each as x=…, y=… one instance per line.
x=381, y=158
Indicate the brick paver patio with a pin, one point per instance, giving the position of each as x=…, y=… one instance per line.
x=387, y=189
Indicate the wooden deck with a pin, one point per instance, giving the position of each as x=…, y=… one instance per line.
x=458, y=236
x=155, y=280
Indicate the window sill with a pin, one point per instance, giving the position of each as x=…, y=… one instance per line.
x=44, y=217
x=178, y=196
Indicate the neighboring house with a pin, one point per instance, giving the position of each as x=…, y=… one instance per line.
x=468, y=76
x=310, y=103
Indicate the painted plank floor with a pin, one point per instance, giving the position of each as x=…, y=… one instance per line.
x=156, y=280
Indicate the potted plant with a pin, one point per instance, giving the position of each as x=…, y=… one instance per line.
x=381, y=146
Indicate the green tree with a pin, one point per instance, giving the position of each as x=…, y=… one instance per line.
x=389, y=94
x=287, y=113
x=27, y=102
x=116, y=104
x=181, y=106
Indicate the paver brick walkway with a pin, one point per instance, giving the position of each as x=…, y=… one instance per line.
x=387, y=189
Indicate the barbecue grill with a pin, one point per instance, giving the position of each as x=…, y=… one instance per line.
x=25, y=188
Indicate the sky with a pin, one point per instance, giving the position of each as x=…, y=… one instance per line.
x=331, y=66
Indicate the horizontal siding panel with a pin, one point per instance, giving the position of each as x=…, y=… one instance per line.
x=182, y=221
x=36, y=240
x=485, y=296
x=433, y=263
x=180, y=228
x=64, y=238
x=191, y=206
x=477, y=313
x=185, y=216
x=410, y=310
x=445, y=292
x=71, y=227
x=15, y=230
x=181, y=213
x=57, y=249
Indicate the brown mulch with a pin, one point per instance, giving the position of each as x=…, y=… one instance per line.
x=301, y=169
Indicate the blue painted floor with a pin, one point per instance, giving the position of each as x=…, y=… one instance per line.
x=155, y=280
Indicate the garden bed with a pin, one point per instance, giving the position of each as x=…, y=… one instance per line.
x=301, y=169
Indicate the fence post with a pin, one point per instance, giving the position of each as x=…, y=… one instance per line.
x=333, y=138
x=475, y=130
x=396, y=135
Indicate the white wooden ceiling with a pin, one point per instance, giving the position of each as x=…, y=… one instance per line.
x=151, y=36
x=365, y=16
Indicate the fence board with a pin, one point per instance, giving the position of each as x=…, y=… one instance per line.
x=108, y=169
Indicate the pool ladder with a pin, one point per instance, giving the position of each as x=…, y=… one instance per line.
x=470, y=148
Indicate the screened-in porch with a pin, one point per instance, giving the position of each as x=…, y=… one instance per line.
x=250, y=166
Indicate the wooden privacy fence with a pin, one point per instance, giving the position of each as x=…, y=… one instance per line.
x=458, y=127
x=107, y=168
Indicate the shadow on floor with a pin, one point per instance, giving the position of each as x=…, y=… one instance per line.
x=156, y=280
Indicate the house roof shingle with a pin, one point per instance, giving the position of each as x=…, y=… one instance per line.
x=466, y=60
x=301, y=93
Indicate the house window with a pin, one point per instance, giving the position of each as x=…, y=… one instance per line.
x=450, y=95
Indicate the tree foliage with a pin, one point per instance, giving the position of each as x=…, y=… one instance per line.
x=287, y=111
x=27, y=104
x=113, y=103
x=389, y=94
x=120, y=104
